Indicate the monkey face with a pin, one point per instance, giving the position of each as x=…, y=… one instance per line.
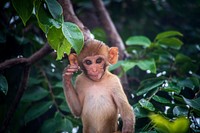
x=95, y=67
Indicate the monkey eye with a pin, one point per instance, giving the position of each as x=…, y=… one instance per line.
x=88, y=62
x=99, y=60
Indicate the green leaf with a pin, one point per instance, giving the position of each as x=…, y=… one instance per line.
x=35, y=94
x=74, y=36
x=180, y=58
x=146, y=104
x=168, y=34
x=3, y=84
x=24, y=8
x=138, y=40
x=172, y=88
x=172, y=42
x=148, y=64
x=99, y=34
x=58, y=42
x=64, y=107
x=44, y=17
x=140, y=112
x=57, y=124
x=37, y=110
x=160, y=99
x=180, y=111
x=54, y=8
x=148, y=85
x=127, y=65
x=194, y=103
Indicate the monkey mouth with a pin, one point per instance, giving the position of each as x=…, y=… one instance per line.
x=95, y=77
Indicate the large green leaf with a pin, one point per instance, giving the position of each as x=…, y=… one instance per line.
x=160, y=99
x=37, y=110
x=57, y=124
x=147, y=64
x=24, y=8
x=194, y=103
x=146, y=104
x=58, y=42
x=44, y=17
x=180, y=58
x=168, y=34
x=3, y=84
x=172, y=42
x=140, y=112
x=74, y=36
x=171, y=87
x=150, y=84
x=35, y=94
x=138, y=40
x=54, y=8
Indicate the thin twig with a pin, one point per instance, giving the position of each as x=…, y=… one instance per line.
x=15, y=103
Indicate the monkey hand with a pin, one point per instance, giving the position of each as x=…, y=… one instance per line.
x=128, y=127
x=69, y=71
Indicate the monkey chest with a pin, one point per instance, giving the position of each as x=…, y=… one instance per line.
x=98, y=104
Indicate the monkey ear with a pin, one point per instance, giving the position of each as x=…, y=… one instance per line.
x=113, y=55
x=73, y=59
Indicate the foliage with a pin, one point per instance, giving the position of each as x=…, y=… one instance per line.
x=163, y=72
x=50, y=20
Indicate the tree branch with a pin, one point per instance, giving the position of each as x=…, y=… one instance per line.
x=69, y=15
x=112, y=34
x=45, y=50
x=20, y=92
x=27, y=62
x=113, y=37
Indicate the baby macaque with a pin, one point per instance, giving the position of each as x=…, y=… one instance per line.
x=97, y=96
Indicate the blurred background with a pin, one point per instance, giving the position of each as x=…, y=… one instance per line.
x=162, y=38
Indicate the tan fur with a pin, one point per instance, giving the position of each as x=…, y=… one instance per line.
x=98, y=102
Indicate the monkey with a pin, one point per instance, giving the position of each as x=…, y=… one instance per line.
x=97, y=96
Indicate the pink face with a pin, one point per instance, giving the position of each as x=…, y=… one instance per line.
x=94, y=66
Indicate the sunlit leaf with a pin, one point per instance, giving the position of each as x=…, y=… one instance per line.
x=24, y=8
x=138, y=40
x=194, y=103
x=3, y=84
x=37, y=110
x=58, y=42
x=74, y=36
x=168, y=34
x=146, y=104
x=164, y=125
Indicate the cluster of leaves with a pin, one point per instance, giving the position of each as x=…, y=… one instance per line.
x=49, y=15
x=166, y=77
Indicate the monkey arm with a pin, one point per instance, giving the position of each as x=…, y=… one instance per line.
x=71, y=94
x=125, y=109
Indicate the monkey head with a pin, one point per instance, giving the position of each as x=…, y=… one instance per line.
x=94, y=59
